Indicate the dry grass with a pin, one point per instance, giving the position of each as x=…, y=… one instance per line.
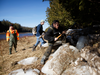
x=8, y=62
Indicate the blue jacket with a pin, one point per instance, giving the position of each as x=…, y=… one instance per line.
x=39, y=30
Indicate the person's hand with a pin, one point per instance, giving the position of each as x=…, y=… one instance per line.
x=55, y=39
x=40, y=36
x=63, y=32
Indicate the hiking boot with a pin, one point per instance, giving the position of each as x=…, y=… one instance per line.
x=40, y=46
x=15, y=50
x=33, y=48
x=43, y=60
x=10, y=51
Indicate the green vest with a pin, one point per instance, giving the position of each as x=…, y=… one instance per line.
x=13, y=37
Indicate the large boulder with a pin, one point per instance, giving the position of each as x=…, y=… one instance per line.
x=28, y=61
x=60, y=60
x=80, y=70
x=27, y=72
x=82, y=42
x=91, y=55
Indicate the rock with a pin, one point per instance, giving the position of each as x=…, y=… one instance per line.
x=56, y=43
x=28, y=61
x=28, y=72
x=77, y=61
x=45, y=45
x=80, y=70
x=63, y=56
x=69, y=31
x=92, y=58
x=82, y=41
x=73, y=31
x=93, y=38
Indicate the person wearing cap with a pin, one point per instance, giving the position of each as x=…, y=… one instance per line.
x=38, y=35
x=12, y=36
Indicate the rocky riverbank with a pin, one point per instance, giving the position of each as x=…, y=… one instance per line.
x=66, y=60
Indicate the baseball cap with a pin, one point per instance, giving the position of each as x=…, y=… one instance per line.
x=42, y=21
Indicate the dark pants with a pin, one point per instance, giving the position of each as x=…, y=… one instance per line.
x=49, y=49
x=50, y=45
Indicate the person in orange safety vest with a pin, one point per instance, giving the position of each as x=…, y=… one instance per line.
x=12, y=36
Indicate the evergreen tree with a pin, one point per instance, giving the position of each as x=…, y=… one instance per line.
x=82, y=12
x=58, y=12
x=4, y=26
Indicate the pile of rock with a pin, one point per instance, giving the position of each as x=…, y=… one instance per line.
x=68, y=60
x=65, y=55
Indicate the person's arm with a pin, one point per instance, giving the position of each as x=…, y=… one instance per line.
x=17, y=35
x=62, y=30
x=7, y=36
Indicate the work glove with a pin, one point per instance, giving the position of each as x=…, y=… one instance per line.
x=55, y=39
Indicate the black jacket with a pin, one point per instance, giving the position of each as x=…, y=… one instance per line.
x=52, y=33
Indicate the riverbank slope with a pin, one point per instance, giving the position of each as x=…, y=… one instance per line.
x=24, y=50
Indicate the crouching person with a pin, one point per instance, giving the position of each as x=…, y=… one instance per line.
x=51, y=36
x=12, y=36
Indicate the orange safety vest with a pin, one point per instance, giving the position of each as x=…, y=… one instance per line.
x=12, y=32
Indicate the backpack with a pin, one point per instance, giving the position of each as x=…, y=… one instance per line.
x=34, y=30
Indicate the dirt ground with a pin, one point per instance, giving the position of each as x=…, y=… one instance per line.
x=8, y=62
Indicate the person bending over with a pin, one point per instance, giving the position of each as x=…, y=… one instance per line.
x=51, y=36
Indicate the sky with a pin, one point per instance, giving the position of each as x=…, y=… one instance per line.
x=27, y=13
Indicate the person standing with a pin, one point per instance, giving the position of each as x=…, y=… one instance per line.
x=39, y=35
x=12, y=36
x=51, y=36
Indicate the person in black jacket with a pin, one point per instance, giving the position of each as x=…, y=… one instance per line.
x=51, y=36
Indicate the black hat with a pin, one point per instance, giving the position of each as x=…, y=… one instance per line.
x=11, y=24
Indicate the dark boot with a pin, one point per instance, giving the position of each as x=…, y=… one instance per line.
x=43, y=60
x=33, y=48
x=10, y=51
x=15, y=49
